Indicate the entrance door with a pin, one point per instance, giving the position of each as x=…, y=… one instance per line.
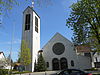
x=63, y=63
x=55, y=64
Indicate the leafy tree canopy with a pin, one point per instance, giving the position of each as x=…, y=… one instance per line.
x=85, y=22
x=25, y=54
x=6, y=5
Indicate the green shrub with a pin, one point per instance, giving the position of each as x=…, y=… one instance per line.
x=3, y=71
x=92, y=69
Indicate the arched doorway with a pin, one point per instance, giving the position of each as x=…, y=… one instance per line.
x=55, y=64
x=63, y=63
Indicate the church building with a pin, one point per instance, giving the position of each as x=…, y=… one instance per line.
x=59, y=53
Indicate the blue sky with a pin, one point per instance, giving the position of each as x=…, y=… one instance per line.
x=53, y=19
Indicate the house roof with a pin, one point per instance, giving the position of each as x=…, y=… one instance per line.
x=1, y=52
x=83, y=48
x=4, y=61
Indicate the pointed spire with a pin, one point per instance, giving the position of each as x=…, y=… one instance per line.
x=32, y=3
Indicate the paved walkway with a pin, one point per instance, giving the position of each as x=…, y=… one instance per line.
x=40, y=73
x=53, y=73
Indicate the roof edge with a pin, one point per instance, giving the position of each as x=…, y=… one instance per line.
x=32, y=10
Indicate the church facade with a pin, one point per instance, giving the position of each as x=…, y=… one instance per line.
x=59, y=53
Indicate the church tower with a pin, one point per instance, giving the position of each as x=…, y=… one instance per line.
x=31, y=33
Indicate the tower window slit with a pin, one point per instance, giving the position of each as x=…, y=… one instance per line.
x=36, y=24
x=27, y=22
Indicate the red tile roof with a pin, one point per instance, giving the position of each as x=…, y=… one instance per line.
x=83, y=48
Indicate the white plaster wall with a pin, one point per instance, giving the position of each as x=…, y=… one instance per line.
x=1, y=56
x=97, y=55
x=35, y=40
x=3, y=62
x=84, y=62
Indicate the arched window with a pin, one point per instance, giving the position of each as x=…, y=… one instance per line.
x=55, y=64
x=47, y=64
x=63, y=63
x=72, y=63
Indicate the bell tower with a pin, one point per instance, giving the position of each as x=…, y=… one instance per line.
x=31, y=33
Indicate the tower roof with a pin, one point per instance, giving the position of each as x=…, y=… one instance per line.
x=32, y=10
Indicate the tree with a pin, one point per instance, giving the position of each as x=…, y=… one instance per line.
x=25, y=54
x=41, y=66
x=84, y=20
x=6, y=5
x=19, y=60
x=35, y=66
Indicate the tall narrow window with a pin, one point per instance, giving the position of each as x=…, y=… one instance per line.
x=27, y=22
x=72, y=63
x=96, y=59
x=47, y=64
x=36, y=24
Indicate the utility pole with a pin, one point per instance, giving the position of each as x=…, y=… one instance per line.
x=12, y=38
x=0, y=20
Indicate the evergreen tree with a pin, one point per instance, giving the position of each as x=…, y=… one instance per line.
x=35, y=67
x=41, y=66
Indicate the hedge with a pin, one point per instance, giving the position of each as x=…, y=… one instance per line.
x=3, y=71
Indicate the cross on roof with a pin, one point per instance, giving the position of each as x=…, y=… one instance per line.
x=32, y=3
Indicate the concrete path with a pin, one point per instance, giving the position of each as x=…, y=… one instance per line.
x=53, y=73
x=40, y=73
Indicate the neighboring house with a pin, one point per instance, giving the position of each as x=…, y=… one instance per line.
x=95, y=59
x=59, y=53
x=3, y=61
x=84, y=56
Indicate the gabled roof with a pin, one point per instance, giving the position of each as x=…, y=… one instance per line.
x=1, y=52
x=3, y=61
x=83, y=48
x=56, y=35
x=32, y=10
